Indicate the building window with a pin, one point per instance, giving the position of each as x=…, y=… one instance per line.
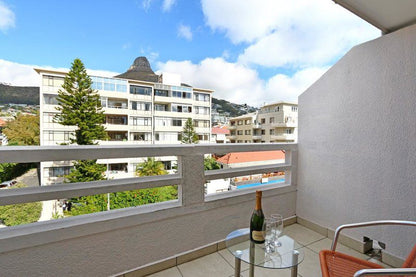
x=159, y=92
x=181, y=108
x=203, y=137
x=176, y=122
x=201, y=97
x=161, y=107
x=247, y=132
x=109, y=84
x=201, y=110
x=294, y=109
x=277, y=109
x=271, y=119
x=288, y=131
x=263, y=121
x=139, y=90
x=140, y=121
x=141, y=136
x=59, y=171
x=263, y=132
x=50, y=99
x=201, y=123
x=48, y=117
x=240, y=122
x=58, y=136
x=248, y=122
x=239, y=132
x=271, y=131
x=140, y=106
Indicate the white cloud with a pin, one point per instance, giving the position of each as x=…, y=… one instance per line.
x=167, y=5
x=297, y=33
x=7, y=17
x=185, y=32
x=240, y=84
x=146, y=4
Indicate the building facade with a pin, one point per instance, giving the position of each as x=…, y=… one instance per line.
x=275, y=122
x=137, y=112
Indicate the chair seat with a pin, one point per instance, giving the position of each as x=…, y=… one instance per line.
x=334, y=264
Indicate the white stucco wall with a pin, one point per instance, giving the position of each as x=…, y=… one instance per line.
x=357, y=141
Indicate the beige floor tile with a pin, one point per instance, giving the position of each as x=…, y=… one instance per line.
x=230, y=259
x=171, y=272
x=310, y=266
x=213, y=265
x=266, y=272
x=302, y=234
x=326, y=244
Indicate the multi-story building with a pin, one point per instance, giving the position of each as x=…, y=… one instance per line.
x=275, y=122
x=140, y=108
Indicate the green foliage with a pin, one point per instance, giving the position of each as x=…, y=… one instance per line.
x=125, y=199
x=23, y=130
x=17, y=214
x=210, y=163
x=150, y=167
x=189, y=135
x=86, y=171
x=9, y=171
x=80, y=106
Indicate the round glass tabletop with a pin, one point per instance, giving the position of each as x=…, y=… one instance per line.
x=288, y=255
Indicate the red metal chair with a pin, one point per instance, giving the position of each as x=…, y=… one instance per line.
x=334, y=264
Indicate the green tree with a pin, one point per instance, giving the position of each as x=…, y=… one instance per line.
x=150, y=167
x=23, y=130
x=189, y=135
x=17, y=214
x=80, y=106
x=210, y=163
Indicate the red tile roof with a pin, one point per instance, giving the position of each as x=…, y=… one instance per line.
x=220, y=130
x=245, y=157
x=2, y=123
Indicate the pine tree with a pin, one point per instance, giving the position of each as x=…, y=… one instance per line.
x=189, y=135
x=80, y=106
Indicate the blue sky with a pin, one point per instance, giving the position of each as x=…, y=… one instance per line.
x=251, y=51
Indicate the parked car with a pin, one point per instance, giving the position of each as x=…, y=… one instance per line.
x=6, y=184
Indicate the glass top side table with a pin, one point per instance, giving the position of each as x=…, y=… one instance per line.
x=288, y=255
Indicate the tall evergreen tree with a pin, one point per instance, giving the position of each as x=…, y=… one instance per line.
x=80, y=106
x=189, y=135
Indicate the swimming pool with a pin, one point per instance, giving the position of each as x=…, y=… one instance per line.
x=258, y=184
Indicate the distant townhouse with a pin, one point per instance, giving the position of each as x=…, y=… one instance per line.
x=275, y=122
x=140, y=106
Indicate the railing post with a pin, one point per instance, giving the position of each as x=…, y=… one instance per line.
x=191, y=168
x=291, y=158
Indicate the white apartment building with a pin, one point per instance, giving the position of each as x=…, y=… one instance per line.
x=140, y=108
x=277, y=122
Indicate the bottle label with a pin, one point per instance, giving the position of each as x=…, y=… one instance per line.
x=257, y=235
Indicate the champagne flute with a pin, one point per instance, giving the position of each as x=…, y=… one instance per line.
x=278, y=228
x=268, y=227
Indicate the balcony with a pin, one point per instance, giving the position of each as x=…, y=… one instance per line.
x=232, y=127
x=347, y=167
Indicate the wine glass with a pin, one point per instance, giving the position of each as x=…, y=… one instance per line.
x=268, y=227
x=278, y=229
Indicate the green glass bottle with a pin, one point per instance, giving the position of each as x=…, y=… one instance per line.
x=257, y=220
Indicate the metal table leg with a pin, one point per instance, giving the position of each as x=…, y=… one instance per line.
x=294, y=270
x=237, y=267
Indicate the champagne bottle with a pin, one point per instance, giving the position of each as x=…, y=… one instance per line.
x=257, y=220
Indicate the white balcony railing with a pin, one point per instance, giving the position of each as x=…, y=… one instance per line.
x=141, y=235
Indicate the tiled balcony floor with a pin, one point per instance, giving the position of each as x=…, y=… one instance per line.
x=221, y=263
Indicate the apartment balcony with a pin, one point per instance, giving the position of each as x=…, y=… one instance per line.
x=354, y=162
x=257, y=126
x=256, y=137
x=232, y=137
x=284, y=124
x=283, y=137
x=232, y=127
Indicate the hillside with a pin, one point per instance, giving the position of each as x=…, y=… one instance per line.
x=30, y=96
x=19, y=95
x=225, y=107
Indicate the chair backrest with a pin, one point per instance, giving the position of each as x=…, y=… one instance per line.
x=411, y=259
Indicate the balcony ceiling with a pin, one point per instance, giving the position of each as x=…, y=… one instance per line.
x=387, y=15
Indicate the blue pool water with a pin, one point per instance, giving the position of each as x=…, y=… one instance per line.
x=258, y=184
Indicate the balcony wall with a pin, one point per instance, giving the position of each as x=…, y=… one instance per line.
x=113, y=242
x=357, y=141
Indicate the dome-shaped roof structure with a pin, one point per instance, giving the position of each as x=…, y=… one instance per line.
x=140, y=70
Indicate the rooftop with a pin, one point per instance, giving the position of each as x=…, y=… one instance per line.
x=245, y=157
